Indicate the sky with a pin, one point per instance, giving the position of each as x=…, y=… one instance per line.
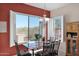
x=22, y=21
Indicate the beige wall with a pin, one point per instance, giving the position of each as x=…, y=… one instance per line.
x=70, y=13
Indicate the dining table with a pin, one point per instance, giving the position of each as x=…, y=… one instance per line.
x=32, y=46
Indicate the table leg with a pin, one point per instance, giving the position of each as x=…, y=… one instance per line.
x=33, y=52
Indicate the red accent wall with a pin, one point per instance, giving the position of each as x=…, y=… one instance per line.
x=5, y=16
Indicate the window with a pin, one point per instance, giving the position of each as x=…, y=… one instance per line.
x=23, y=27
x=56, y=28
x=33, y=27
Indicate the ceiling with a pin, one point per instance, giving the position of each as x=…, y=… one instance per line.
x=48, y=6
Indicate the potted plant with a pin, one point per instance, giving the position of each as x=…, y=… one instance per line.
x=37, y=36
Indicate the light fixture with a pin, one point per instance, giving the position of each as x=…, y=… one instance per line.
x=44, y=15
x=41, y=20
x=44, y=19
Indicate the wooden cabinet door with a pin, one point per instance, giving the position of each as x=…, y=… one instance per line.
x=69, y=27
x=74, y=27
x=77, y=47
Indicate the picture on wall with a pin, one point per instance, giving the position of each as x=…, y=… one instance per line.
x=3, y=26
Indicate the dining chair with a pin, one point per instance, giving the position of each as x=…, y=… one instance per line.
x=55, y=47
x=21, y=52
x=39, y=53
x=46, y=48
